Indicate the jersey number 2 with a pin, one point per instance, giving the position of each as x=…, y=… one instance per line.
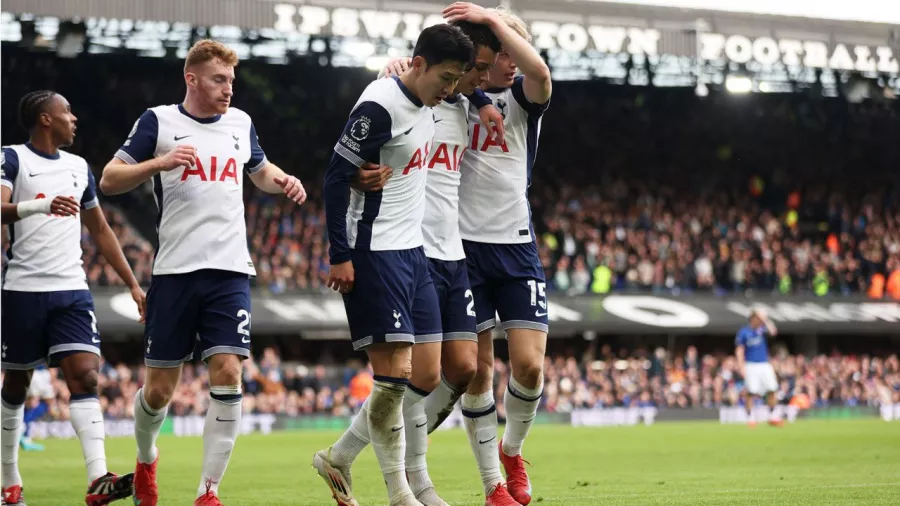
x=470, y=307
x=242, y=327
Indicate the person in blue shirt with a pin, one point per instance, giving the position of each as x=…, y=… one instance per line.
x=752, y=354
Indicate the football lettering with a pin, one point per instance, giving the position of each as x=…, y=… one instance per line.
x=417, y=160
x=229, y=172
x=489, y=140
x=442, y=155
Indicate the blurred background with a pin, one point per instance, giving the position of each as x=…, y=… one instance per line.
x=694, y=165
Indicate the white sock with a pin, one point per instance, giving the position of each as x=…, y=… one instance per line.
x=480, y=419
x=12, y=420
x=415, y=423
x=385, y=416
x=439, y=404
x=147, y=422
x=521, y=406
x=775, y=414
x=354, y=439
x=222, y=426
x=87, y=419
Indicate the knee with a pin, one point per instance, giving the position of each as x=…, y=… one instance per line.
x=84, y=381
x=529, y=374
x=426, y=381
x=15, y=386
x=224, y=370
x=460, y=371
x=158, y=394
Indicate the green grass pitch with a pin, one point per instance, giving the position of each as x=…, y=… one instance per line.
x=809, y=462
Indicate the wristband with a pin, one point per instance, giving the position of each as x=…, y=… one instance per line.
x=32, y=207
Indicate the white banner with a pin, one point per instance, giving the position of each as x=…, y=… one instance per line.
x=613, y=416
x=182, y=426
x=760, y=414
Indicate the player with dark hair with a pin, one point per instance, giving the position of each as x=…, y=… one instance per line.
x=378, y=261
x=196, y=154
x=752, y=354
x=457, y=352
x=498, y=237
x=48, y=307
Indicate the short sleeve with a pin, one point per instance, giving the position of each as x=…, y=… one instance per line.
x=530, y=107
x=89, y=197
x=10, y=167
x=739, y=338
x=367, y=130
x=257, y=155
x=141, y=143
x=479, y=99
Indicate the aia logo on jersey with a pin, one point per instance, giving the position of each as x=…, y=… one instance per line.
x=443, y=156
x=54, y=215
x=418, y=159
x=490, y=139
x=227, y=174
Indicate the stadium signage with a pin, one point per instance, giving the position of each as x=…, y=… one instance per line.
x=323, y=314
x=575, y=37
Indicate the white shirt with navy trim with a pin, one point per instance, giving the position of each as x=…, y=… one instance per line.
x=495, y=177
x=440, y=226
x=388, y=126
x=44, y=250
x=201, y=221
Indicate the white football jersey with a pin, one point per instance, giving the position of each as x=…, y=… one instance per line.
x=201, y=221
x=45, y=250
x=388, y=126
x=495, y=177
x=441, y=224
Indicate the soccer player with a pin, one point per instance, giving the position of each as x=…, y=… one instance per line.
x=37, y=403
x=753, y=362
x=47, y=307
x=194, y=153
x=457, y=354
x=377, y=257
x=499, y=242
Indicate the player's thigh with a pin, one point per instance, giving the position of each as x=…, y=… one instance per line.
x=380, y=306
x=521, y=304
x=72, y=326
x=22, y=329
x=172, y=320
x=770, y=380
x=754, y=380
x=479, y=267
x=460, y=351
x=42, y=385
x=224, y=315
x=458, y=314
x=426, y=312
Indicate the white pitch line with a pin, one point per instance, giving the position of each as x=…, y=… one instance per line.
x=792, y=489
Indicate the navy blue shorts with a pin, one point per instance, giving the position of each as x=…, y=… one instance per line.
x=451, y=282
x=393, y=299
x=507, y=280
x=208, y=309
x=44, y=327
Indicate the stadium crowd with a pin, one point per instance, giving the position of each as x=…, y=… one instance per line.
x=646, y=189
x=632, y=379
